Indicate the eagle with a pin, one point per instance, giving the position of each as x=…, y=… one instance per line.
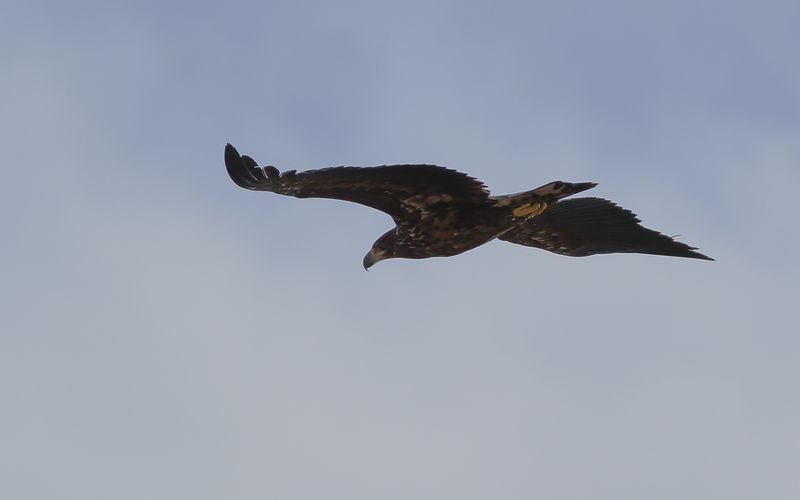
x=439, y=212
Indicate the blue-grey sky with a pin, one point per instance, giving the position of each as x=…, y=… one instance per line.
x=167, y=335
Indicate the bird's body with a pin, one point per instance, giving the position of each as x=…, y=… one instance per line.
x=440, y=212
x=440, y=230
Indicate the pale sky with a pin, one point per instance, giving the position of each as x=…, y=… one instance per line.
x=168, y=335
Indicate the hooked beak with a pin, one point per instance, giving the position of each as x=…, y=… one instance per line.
x=369, y=260
x=374, y=255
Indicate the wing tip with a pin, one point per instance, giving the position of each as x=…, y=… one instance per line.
x=230, y=153
x=243, y=170
x=234, y=165
x=697, y=255
x=671, y=247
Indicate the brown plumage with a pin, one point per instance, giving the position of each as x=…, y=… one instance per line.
x=440, y=212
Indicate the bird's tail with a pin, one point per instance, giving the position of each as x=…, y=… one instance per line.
x=533, y=202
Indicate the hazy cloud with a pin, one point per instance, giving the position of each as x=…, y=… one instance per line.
x=167, y=335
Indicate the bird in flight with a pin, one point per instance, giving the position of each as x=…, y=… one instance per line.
x=439, y=212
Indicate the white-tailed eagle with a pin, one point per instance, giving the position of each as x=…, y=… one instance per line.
x=440, y=212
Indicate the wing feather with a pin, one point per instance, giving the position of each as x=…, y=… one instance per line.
x=384, y=188
x=588, y=226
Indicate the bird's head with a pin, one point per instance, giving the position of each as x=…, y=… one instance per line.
x=382, y=249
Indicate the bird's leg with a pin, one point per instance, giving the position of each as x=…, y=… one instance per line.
x=529, y=209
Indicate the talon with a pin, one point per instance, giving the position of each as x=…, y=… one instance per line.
x=529, y=209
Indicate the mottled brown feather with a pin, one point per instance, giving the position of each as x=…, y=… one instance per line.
x=586, y=226
x=385, y=188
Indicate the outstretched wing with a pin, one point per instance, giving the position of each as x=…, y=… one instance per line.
x=588, y=226
x=394, y=189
